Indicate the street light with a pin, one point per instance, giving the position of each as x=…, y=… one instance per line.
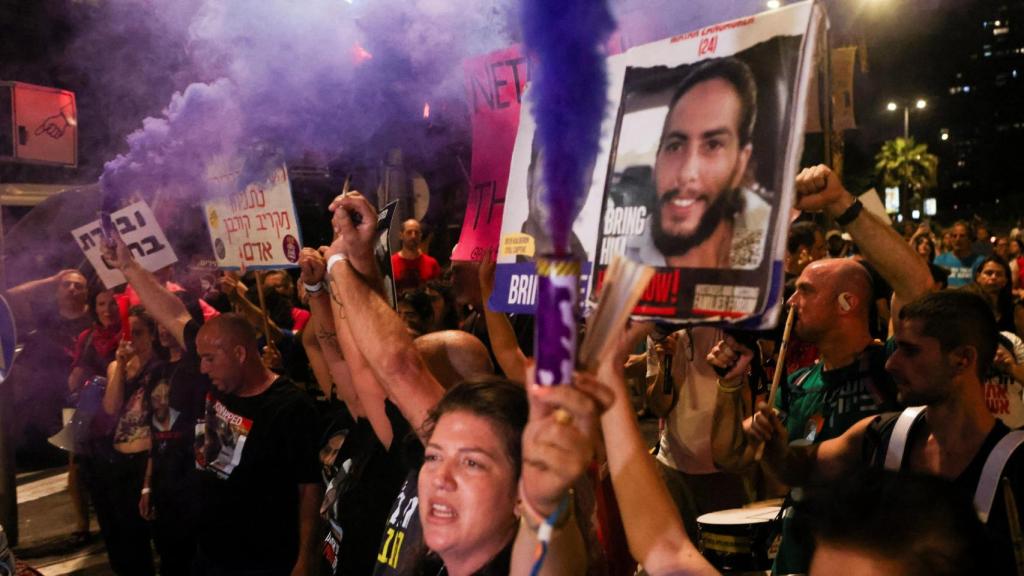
x=892, y=106
x=773, y=4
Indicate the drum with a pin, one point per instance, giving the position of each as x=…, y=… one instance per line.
x=740, y=539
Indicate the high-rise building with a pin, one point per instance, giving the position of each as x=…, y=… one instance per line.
x=983, y=137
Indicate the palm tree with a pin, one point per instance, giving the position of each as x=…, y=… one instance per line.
x=905, y=163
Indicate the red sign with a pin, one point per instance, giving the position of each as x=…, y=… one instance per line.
x=45, y=125
x=495, y=84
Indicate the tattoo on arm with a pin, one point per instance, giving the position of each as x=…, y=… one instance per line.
x=327, y=335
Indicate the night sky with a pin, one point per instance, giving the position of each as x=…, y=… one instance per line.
x=914, y=49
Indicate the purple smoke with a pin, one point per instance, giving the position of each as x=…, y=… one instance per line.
x=567, y=38
x=289, y=75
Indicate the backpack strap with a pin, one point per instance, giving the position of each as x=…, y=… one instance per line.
x=898, y=439
x=993, y=471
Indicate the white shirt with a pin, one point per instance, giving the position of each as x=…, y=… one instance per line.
x=686, y=438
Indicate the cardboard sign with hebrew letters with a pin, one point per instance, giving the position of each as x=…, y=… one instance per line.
x=252, y=220
x=139, y=230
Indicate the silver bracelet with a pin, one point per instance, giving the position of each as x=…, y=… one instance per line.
x=313, y=288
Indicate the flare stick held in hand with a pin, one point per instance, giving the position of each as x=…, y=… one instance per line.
x=555, y=344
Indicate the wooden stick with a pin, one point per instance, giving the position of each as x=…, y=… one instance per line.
x=780, y=367
x=263, y=307
x=1013, y=520
x=780, y=364
x=345, y=187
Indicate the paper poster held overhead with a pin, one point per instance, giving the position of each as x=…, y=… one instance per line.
x=139, y=230
x=252, y=220
x=716, y=241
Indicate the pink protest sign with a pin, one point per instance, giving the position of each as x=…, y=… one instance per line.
x=495, y=84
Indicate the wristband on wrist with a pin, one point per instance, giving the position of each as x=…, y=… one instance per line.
x=538, y=522
x=544, y=527
x=334, y=260
x=850, y=214
x=313, y=288
x=730, y=389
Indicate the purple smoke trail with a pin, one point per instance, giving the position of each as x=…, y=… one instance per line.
x=567, y=38
x=286, y=75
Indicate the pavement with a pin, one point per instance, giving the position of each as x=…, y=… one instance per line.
x=45, y=526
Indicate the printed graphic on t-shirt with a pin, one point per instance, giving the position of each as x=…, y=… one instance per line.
x=1005, y=399
x=220, y=439
x=332, y=545
x=854, y=398
x=404, y=513
x=132, y=424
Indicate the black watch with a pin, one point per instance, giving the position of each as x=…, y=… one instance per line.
x=850, y=214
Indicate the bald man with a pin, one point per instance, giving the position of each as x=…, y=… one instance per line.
x=832, y=301
x=453, y=356
x=257, y=452
x=411, y=267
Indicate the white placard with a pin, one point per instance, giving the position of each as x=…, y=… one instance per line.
x=255, y=226
x=139, y=230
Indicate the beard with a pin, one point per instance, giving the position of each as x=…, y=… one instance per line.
x=724, y=206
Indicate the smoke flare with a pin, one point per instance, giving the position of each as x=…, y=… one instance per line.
x=567, y=39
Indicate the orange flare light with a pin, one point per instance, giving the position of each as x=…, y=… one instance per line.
x=360, y=54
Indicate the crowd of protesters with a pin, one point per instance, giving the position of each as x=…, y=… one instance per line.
x=314, y=429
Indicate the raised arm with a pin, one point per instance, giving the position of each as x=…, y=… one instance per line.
x=317, y=364
x=654, y=529
x=371, y=394
x=113, y=394
x=165, y=308
x=22, y=296
x=499, y=330
x=382, y=336
x=559, y=443
x=322, y=326
x=731, y=447
x=818, y=188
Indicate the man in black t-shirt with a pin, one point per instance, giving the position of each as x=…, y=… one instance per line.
x=261, y=472
x=945, y=344
x=256, y=448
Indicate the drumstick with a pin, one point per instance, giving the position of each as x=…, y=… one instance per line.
x=780, y=367
x=780, y=364
x=1013, y=520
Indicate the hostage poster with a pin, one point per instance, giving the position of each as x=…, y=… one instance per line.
x=700, y=203
x=523, y=228
x=701, y=176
